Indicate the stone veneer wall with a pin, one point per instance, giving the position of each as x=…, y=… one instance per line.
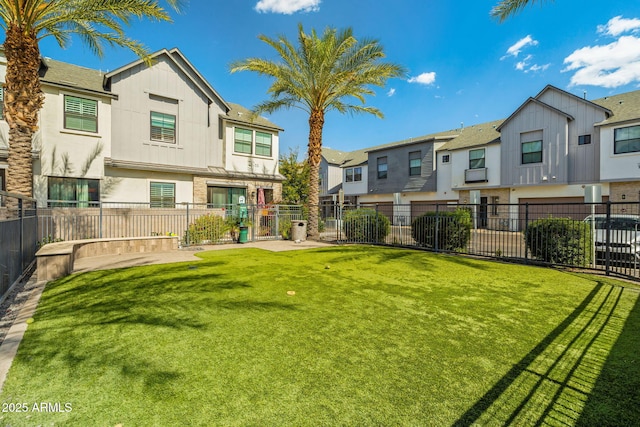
x=630, y=189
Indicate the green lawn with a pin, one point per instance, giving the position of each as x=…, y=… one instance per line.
x=372, y=336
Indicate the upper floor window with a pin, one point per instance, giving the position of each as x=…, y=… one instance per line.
x=584, y=139
x=163, y=127
x=415, y=163
x=162, y=195
x=626, y=140
x=76, y=192
x=354, y=174
x=243, y=141
x=476, y=159
x=382, y=167
x=80, y=114
x=531, y=152
x=445, y=158
x=263, y=144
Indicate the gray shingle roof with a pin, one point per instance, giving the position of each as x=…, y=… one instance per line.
x=240, y=114
x=72, y=76
x=625, y=107
x=476, y=135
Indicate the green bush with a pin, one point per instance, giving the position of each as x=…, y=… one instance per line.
x=366, y=225
x=452, y=229
x=284, y=228
x=209, y=227
x=559, y=241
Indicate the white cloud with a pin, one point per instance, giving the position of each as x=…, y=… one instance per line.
x=424, y=78
x=536, y=67
x=619, y=25
x=612, y=65
x=391, y=92
x=519, y=45
x=287, y=7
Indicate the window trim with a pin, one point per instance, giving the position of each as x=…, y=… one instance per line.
x=615, y=141
x=446, y=158
x=355, y=175
x=522, y=153
x=235, y=140
x=415, y=170
x=162, y=203
x=261, y=145
x=81, y=116
x=481, y=161
x=584, y=139
x=382, y=173
x=162, y=138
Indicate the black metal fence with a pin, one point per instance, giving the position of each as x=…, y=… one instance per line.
x=602, y=236
x=18, y=237
x=192, y=223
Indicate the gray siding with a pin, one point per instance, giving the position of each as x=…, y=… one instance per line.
x=555, y=131
x=398, y=179
x=140, y=90
x=583, y=160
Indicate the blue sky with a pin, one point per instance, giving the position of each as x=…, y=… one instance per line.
x=464, y=66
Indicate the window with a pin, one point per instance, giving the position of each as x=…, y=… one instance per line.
x=80, y=114
x=584, y=139
x=531, y=152
x=225, y=196
x=445, y=158
x=476, y=159
x=382, y=167
x=163, y=195
x=415, y=163
x=163, y=127
x=243, y=141
x=3, y=185
x=354, y=174
x=495, y=201
x=263, y=144
x=78, y=192
x=626, y=140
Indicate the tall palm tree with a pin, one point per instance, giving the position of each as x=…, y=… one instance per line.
x=506, y=8
x=322, y=73
x=26, y=22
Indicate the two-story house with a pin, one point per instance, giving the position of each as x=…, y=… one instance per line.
x=157, y=134
x=552, y=147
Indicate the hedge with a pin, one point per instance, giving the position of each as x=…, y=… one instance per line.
x=452, y=229
x=559, y=241
x=366, y=225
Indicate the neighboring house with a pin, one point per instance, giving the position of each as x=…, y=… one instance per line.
x=156, y=134
x=548, y=150
x=330, y=177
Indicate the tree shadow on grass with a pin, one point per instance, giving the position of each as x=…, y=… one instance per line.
x=554, y=383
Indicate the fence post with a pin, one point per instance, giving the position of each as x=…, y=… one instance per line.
x=277, y=221
x=187, y=240
x=21, y=216
x=607, y=253
x=100, y=220
x=436, y=243
x=526, y=227
x=376, y=227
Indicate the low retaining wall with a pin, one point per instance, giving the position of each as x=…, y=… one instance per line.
x=56, y=260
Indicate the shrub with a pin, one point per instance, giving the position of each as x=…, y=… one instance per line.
x=366, y=225
x=452, y=229
x=284, y=228
x=559, y=241
x=210, y=227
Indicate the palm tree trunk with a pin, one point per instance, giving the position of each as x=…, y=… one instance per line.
x=23, y=99
x=316, y=123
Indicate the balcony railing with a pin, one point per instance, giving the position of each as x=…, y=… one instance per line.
x=475, y=175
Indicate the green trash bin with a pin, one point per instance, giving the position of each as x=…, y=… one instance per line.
x=244, y=233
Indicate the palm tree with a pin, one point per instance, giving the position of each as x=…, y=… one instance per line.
x=26, y=22
x=319, y=75
x=506, y=8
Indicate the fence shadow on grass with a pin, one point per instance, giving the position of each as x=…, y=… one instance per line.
x=559, y=380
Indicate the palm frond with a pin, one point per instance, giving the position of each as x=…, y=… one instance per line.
x=506, y=8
